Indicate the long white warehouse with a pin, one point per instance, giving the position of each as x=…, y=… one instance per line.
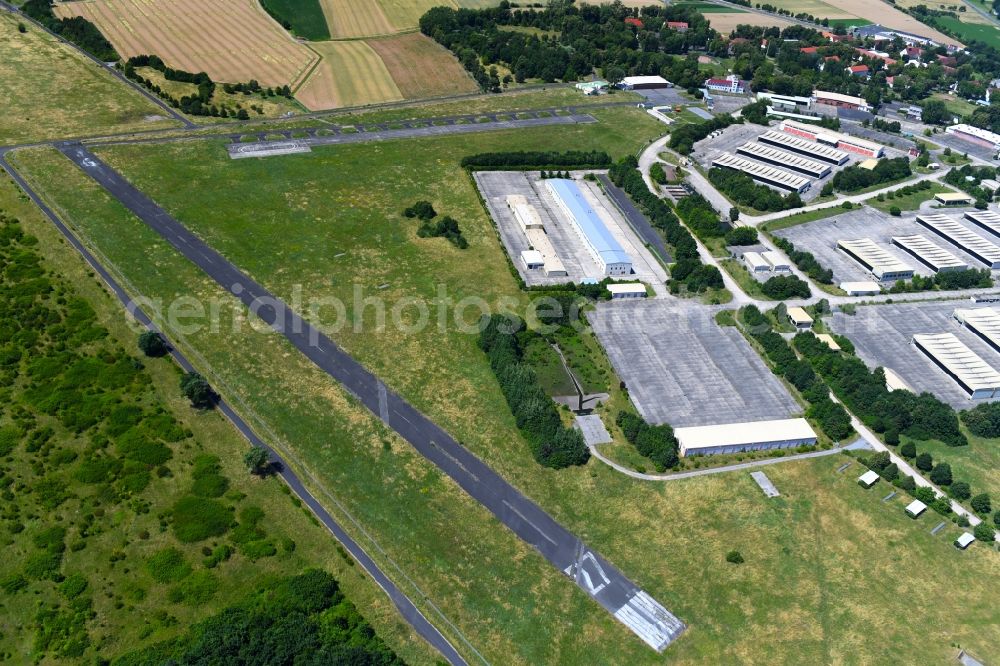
x=802, y=146
x=955, y=233
x=930, y=255
x=784, y=159
x=606, y=251
x=740, y=437
x=881, y=264
x=984, y=322
x=986, y=220
x=972, y=373
x=769, y=175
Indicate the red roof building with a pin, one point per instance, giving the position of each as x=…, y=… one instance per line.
x=947, y=60
x=679, y=26
x=809, y=49
x=633, y=21
x=835, y=38
x=858, y=70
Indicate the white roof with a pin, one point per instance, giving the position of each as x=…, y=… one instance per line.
x=742, y=434
x=953, y=196
x=771, y=154
x=930, y=254
x=874, y=258
x=828, y=340
x=987, y=220
x=960, y=361
x=830, y=135
x=989, y=184
x=532, y=257
x=838, y=97
x=775, y=259
x=915, y=508
x=627, y=288
x=986, y=135
x=798, y=315
x=957, y=234
x=984, y=322
x=964, y=539
x=756, y=260
x=894, y=382
x=803, y=146
x=639, y=80
x=868, y=478
x=779, y=177
x=861, y=287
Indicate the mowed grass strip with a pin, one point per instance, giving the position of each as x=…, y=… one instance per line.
x=350, y=19
x=49, y=90
x=232, y=40
x=421, y=67
x=351, y=73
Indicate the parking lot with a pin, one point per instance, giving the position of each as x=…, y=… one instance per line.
x=681, y=368
x=961, y=146
x=820, y=238
x=495, y=186
x=882, y=333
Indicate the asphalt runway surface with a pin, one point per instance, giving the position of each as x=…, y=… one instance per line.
x=564, y=550
x=640, y=223
x=406, y=608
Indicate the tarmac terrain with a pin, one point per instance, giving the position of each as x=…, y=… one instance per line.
x=563, y=549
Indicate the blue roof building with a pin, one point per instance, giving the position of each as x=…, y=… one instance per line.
x=606, y=251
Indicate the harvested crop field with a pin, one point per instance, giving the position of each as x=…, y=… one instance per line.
x=351, y=73
x=726, y=22
x=232, y=40
x=355, y=18
x=438, y=73
x=405, y=14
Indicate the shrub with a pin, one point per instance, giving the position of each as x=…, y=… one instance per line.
x=908, y=484
x=742, y=236
x=925, y=462
x=168, y=566
x=908, y=450
x=941, y=474
x=981, y=503
x=983, y=420
x=960, y=490
x=197, y=518
x=152, y=344
x=962, y=521
x=984, y=532
x=890, y=473
x=198, y=588
x=782, y=287
x=136, y=445
x=892, y=437
x=255, y=550
x=879, y=461
x=196, y=389
x=925, y=494
x=734, y=557
x=12, y=582
x=895, y=211
x=73, y=586
x=422, y=210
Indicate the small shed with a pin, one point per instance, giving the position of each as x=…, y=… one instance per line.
x=532, y=259
x=627, y=290
x=828, y=340
x=778, y=262
x=869, y=164
x=861, y=288
x=915, y=508
x=755, y=263
x=800, y=318
x=868, y=479
x=964, y=540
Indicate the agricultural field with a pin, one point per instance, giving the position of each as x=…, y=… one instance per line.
x=233, y=41
x=828, y=556
x=726, y=22
x=120, y=498
x=350, y=73
x=421, y=67
x=34, y=66
x=304, y=18
x=967, y=30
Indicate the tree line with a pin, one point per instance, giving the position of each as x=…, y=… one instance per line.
x=805, y=261
x=683, y=138
x=552, y=444
x=742, y=189
x=77, y=30
x=654, y=442
x=531, y=160
x=855, y=178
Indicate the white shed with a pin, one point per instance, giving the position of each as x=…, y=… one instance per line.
x=532, y=259
x=868, y=479
x=778, y=262
x=915, y=508
x=627, y=290
x=756, y=263
x=861, y=288
x=800, y=318
x=964, y=540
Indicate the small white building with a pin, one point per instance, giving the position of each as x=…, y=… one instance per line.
x=532, y=259
x=989, y=185
x=778, y=263
x=756, y=263
x=828, y=340
x=861, y=288
x=627, y=290
x=644, y=83
x=740, y=437
x=868, y=479
x=915, y=508
x=964, y=540
x=800, y=319
x=893, y=382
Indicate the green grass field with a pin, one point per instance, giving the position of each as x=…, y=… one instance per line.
x=910, y=201
x=51, y=91
x=305, y=17
x=828, y=564
x=966, y=32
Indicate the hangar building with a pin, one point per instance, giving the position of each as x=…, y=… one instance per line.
x=740, y=437
x=603, y=247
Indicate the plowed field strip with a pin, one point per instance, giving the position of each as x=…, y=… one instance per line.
x=350, y=74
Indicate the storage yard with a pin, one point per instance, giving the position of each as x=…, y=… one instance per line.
x=558, y=230
x=682, y=368
x=927, y=347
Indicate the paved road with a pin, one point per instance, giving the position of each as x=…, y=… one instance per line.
x=639, y=223
x=406, y=608
x=564, y=550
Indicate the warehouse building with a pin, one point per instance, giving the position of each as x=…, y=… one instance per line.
x=984, y=322
x=603, y=247
x=956, y=234
x=762, y=173
x=972, y=373
x=627, y=290
x=777, y=261
x=989, y=185
x=524, y=213
x=975, y=135
x=882, y=265
x=954, y=199
x=782, y=158
x=861, y=288
x=840, y=101
x=803, y=147
x=836, y=139
x=741, y=437
x=930, y=255
x=986, y=220
x=644, y=83
x=756, y=263
x=532, y=259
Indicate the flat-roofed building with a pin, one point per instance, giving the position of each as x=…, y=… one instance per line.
x=869, y=164
x=987, y=220
x=930, y=255
x=532, y=259
x=603, y=247
x=868, y=479
x=881, y=264
x=861, y=288
x=990, y=185
x=840, y=101
x=893, y=382
x=628, y=290
x=958, y=235
x=984, y=322
x=644, y=82
x=800, y=319
x=915, y=508
x=964, y=540
x=551, y=263
x=975, y=135
x=740, y=437
x=784, y=159
x=831, y=138
x=524, y=213
x=769, y=175
x=954, y=199
x=803, y=147
x=756, y=263
x=976, y=377
x=828, y=340
x=776, y=260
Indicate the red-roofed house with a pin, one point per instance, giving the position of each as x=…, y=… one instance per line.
x=679, y=26
x=912, y=52
x=947, y=60
x=731, y=84
x=835, y=38
x=889, y=80
x=633, y=21
x=859, y=70
x=809, y=49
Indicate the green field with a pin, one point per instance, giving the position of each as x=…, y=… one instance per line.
x=828, y=559
x=100, y=502
x=966, y=32
x=51, y=91
x=848, y=22
x=303, y=18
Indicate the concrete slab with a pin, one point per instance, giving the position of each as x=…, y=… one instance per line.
x=592, y=428
x=765, y=484
x=682, y=368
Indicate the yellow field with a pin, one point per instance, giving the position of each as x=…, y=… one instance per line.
x=231, y=40
x=350, y=19
x=439, y=72
x=726, y=22
x=351, y=73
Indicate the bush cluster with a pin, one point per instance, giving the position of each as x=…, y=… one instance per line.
x=654, y=442
x=570, y=159
x=744, y=190
x=854, y=178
